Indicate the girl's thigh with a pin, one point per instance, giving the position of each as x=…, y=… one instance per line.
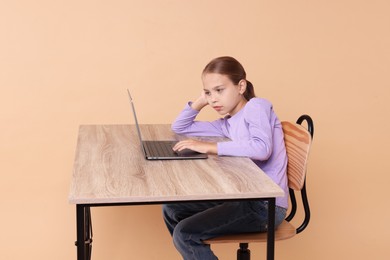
x=226, y=218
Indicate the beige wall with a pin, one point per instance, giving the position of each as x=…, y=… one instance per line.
x=66, y=63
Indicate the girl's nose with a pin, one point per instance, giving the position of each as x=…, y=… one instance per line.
x=213, y=99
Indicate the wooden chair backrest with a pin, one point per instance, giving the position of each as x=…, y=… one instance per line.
x=298, y=142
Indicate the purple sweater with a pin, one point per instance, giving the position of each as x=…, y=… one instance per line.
x=254, y=131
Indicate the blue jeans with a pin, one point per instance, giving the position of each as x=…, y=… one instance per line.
x=191, y=223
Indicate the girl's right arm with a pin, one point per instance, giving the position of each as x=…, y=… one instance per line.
x=185, y=123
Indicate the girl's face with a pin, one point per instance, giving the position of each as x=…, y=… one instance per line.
x=222, y=94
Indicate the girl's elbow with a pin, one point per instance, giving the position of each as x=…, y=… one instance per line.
x=174, y=128
x=260, y=157
x=262, y=154
x=177, y=129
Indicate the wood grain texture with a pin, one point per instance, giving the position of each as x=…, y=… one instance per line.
x=298, y=142
x=109, y=168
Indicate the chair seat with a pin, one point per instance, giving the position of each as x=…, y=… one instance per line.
x=284, y=231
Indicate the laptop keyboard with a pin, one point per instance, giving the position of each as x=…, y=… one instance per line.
x=160, y=148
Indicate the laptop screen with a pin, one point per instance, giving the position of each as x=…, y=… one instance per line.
x=136, y=122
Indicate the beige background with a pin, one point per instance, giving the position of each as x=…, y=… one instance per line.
x=66, y=63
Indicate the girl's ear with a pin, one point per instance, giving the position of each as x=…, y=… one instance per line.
x=242, y=86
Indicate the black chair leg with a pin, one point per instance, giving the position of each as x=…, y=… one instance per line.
x=243, y=253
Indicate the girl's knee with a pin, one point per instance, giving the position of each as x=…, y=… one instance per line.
x=179, y=237
x=182, y=233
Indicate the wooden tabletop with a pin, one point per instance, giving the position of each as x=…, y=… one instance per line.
x=109, y=167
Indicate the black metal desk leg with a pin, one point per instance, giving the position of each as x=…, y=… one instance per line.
x=271, y=229
x=82, y=242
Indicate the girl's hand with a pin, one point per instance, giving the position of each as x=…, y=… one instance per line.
x=200, y=102
x=198, y=146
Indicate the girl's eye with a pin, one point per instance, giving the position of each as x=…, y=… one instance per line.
x=207, y=93
x=219, y=90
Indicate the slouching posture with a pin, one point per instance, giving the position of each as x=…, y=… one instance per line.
x=254, y=131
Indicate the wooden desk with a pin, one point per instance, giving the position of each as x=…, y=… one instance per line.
x=109, y=170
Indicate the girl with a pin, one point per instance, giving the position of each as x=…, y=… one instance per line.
x=255, y=132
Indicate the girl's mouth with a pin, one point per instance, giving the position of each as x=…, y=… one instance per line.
x=218, y=108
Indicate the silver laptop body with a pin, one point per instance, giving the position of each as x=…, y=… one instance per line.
x=162, y=150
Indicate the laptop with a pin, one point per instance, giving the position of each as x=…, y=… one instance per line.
x=162, y=150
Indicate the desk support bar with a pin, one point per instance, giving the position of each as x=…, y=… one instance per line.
x=271, y=229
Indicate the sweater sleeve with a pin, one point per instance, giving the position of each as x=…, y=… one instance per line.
x=257, y=119
x=186, y=124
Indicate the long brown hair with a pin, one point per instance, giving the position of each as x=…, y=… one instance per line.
x=233, y=69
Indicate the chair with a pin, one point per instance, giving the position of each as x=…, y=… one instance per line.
x=298, y=141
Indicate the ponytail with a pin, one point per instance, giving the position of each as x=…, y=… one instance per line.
x=250, y=91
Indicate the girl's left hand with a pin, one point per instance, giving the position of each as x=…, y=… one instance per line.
x=198, y=146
